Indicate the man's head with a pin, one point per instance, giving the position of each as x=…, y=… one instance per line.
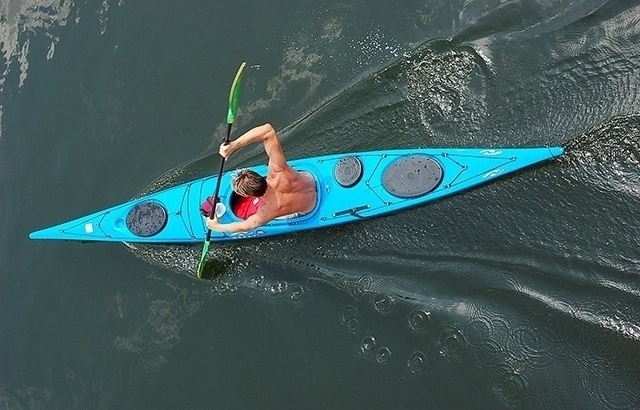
x=249, y=183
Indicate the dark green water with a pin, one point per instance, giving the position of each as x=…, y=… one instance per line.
x=523, y=293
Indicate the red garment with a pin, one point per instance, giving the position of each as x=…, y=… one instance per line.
x=244, y=207
x=207, y=206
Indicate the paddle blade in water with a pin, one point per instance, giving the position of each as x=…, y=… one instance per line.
x=233, y=95
x=203, y=258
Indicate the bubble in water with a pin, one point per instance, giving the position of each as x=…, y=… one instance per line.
x=419, y=320
x=417, y=362
x=368, y=345
x=383, y=355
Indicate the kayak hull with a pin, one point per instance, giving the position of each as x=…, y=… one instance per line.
x=350, y=187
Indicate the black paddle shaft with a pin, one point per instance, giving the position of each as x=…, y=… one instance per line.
x=217, y=191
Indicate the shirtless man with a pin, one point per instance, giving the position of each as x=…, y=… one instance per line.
x=285, y=191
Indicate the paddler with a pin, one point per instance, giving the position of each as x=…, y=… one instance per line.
x=284, y=192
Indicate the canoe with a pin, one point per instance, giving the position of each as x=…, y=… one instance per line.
x=350, y=187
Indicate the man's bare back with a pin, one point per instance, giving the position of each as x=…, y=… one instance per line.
x=291, y=192
x=288, y=191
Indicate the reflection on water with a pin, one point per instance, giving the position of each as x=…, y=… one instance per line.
x=19, y=21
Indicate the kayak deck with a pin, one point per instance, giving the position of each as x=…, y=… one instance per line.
x=350, y=187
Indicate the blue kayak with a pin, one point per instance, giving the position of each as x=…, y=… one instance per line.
x=350, y=187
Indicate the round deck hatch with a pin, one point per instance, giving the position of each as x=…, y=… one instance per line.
x=146, y=219
x=412, y=176
x=348, y=171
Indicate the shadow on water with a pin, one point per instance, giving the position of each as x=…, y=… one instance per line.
x=503, y=282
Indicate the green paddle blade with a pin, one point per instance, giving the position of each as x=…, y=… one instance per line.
x=233, y=95
x=203, y=258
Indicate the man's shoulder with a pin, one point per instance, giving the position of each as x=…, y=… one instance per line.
x=282, y=172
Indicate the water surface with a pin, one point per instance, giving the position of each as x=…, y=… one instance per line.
x=523, y=293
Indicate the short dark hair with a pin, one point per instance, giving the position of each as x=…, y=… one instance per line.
x=249, y=183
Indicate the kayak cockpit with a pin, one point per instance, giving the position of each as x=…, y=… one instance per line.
x=243, y=207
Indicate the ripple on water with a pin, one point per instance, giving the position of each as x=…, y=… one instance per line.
x=560, y=375
x=488, y=353
x=487, y=319
x=417, y=362
x=537, y=345
x=485, y=324
x=505, y=280
x=605, y=387
x=278, y=288
x=382, y=303
x=348, y=313
x=368, y=345
x=363, y=285
x=419, y=320
x=353, y=326
x=297, y=293
x=383, y=355
x=511, y=386
x=451, y=344
x=349, y=319
x=311, y=284
x=478, y=329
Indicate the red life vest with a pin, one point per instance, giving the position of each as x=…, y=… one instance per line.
x=244, y=207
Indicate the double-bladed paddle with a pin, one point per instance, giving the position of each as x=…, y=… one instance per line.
x=231, y=116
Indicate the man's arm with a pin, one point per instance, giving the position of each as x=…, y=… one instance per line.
x=248, y=224
x=265, y=134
